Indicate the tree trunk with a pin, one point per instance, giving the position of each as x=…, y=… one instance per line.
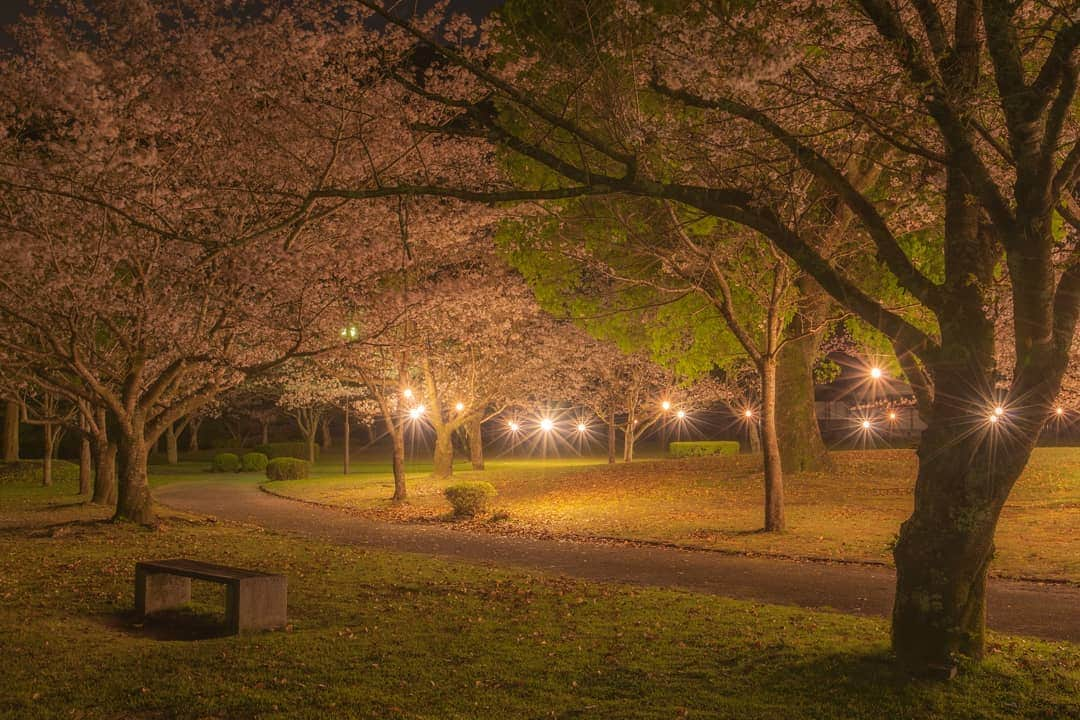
x=327, y=438
x=801, y=446
x=443, y=460
x=476, y=443
x=193, y=434
x=770, y=448
x=310, y=438
x=611, y=438
x=46, y=459
x=11, y=431
x=85, y=461
x=133, y=499
x=399, y=466
x=628, y=442
x=172, y=454
x=345, y=440
x=104, y=453
x=265, y=432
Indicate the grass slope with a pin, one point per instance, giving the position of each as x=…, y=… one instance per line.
x=851, y=513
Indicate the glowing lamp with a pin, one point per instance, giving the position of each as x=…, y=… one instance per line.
x=1060, y=411
x=459, y=407
x=875, y=372
x=865, y=424
x=514, y=427
x=681, y=414
x=416, y=412
x=993, y=418
x=892, y=415
x=547, y=425
x=582, y=427
x=748, y=413
x=999, y=411
x=666, y=405
x=406, y=393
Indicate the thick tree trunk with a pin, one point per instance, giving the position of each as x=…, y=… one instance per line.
x=172, y=453
x=11, y=431
x=104, y=453
x=611, y=438
x=310, y=438
x=770, y=448
x=801, y=446
x=628, y=443
x=327, y=438
x=86, y=485
x=399, y=466
x=476, y=443
x=265, y=432
x=443, y=460
x=47, y=456
x=133, y=499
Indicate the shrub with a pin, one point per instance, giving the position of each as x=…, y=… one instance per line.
x=287, y=468
x=29, y=471
x=469, y=498
x=703, y=447
x=253, y=462
x=226, y=462
x=286, y=449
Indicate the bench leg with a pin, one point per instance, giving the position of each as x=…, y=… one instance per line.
x=257, y=603
x=159, y=591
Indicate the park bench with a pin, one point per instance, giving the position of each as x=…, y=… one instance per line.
x=253, y=600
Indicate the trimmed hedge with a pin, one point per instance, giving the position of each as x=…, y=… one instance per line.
x=253, y=462
x=702, y=448
x=287, y=468
x=470, y=498
x=225, y=462
x=286, y=449
x=29, y=471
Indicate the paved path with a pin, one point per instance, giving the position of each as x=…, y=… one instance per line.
x=1023, y=608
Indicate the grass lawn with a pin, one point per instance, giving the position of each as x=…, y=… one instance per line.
x=383, y=635
x=851, y=513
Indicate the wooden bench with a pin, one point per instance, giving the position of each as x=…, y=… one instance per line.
x=253, y=600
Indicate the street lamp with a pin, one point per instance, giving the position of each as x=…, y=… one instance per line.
x=547, y=424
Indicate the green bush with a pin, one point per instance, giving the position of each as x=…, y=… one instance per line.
x=287, y=468
x=253, y=462
x=469, y=498
x=286, y=449
x=29, y=471
x=226, y=462
x=702, y=448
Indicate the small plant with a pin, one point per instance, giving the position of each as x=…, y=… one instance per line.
x=253, y=462
x=287, y=468
x=469, y=499
x=702, y=448
x=226, y=462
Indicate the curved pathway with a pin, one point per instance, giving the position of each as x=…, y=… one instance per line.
x=1023, y=608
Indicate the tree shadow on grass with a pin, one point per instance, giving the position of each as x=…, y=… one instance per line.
x=185, y=623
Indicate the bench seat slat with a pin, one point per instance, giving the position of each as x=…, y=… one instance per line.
x=200, y=570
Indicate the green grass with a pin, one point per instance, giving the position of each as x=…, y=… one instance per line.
x=852, y=513
x=384, y=635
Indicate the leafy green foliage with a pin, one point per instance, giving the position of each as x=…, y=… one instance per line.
x=225, y=462
x=702, y=448
x=287, y=468
x=470, y=498
x=253, y=462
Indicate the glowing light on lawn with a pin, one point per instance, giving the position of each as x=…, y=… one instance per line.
x=407, y=393
x=547, y=424
x=875, y=372
x=417, y=412
x=666, y=405
x=681, y=414
x=459, y=407
x=582, y=427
